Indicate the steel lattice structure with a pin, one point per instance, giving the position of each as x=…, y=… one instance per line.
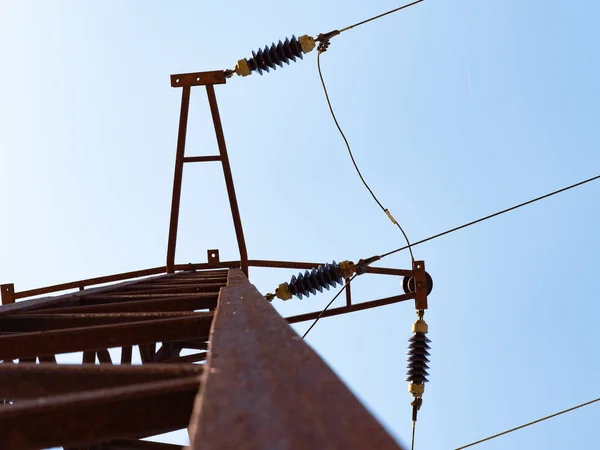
x=250, y=381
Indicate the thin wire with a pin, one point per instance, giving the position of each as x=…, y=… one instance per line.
x=493, y=215
x=531, y=423
x=385, y=210
x=379, y=16
x=328, y=305
x=412, y=445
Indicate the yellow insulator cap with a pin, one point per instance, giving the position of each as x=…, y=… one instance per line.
x=307, y=43
x=420, y=326
x=347, y=268
x=242, y=68
x=416, y=389
x=283, y=292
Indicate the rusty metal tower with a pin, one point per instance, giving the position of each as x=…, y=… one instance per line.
x=251, y=381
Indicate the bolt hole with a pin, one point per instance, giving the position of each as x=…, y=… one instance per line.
x=177, y=80
x=418, y=266
x=198, y=79
x=212, y=255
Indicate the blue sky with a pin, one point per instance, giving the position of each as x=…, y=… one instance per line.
x=454, y=110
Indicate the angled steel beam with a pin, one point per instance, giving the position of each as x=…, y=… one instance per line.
x=23, y=381
x=351, y=308
x=23, y=345
x=285, y=395
x=185, y=303
x=235, y=211
x=19, y=323
x=132, y=444
x=132, y=411
x=90, y=282
x=177, y=178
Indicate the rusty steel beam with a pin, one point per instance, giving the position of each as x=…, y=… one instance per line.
x=129, y=411
x=177, y=177
x=186, y=303
x=90, y=282
x=20, y=323
x=352, y=308
x=87, y=358
x=174, y=288
x=147, y=352
x=47, y=359
x=285, y=395
x=23, y=345
x=168, y=350
x=198, y=78
x=200, y=266
x=310, y=265
x=348, y=293
x=235, y=211
x=104, y=356
x=132, y=444
x=69, y=298
x=126, y=354
x=192, y=159
x=196, y=357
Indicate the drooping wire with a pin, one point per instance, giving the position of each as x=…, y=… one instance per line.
x=380, y=16
x=385, y=210
x=512, y=208
x=530, y=423
x=328, y=305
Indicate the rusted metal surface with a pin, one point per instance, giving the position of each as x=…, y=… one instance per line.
x=191, y=159
x=420, y=284
x=198, y=78
x=131, y=444
x=72, y=298
x=213, y=256
x=235, y=211
x=85, y=417
x=22, y=381
x=68, y=340
x=174, y=288
x=88, y=357
x=348, y=293
x=126, y=354
x=90, y=282
x=285, y=396
x=168, y=350
x=184, y=303
x=41, y=322
x=7, y=291
x=147, y=352
x=104, y=356
x=353, y=308
x=177, y=177
x=196, y=357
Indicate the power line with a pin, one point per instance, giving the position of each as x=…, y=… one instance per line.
x=492, y=215
x=530, y=423
x=380, y=16
x=385, y=210
x=328, y=305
